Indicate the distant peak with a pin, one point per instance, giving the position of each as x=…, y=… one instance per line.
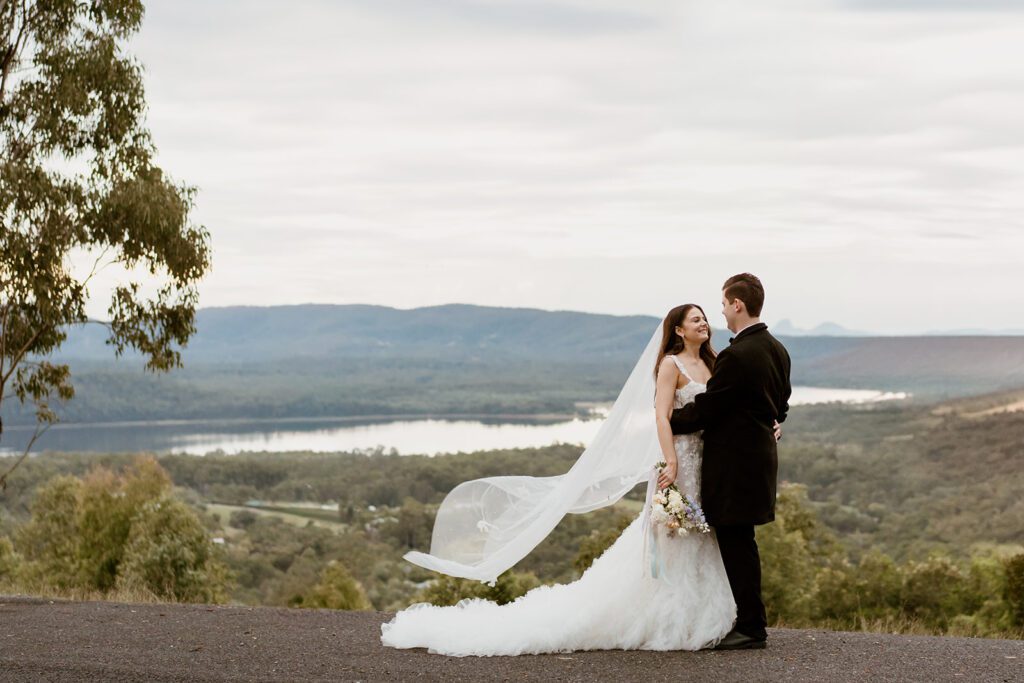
x=825, y=329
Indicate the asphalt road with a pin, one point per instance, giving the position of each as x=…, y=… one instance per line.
x=44, y=640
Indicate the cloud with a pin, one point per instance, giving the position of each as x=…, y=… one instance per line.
x=937, y=5
x=604, y=156
x=514, y=15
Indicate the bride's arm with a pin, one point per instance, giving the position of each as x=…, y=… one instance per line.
x=664, y=396
x=717, y=401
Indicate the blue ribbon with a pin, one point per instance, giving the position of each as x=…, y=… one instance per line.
x=650, y=533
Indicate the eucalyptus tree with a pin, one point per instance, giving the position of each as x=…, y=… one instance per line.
x=78, y=180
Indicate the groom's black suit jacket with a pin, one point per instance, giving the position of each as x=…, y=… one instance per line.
x=747, y=392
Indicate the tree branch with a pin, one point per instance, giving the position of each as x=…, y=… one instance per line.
x=40, y=429
x=15, y=359
x=96, y=263
x=8, y=58
x=3, y=338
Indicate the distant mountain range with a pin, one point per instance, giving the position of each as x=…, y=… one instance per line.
x=455, y=331
x=256, y=335
x=975, y=332
x=786, y=328
x=245, y=334
x=326, y=360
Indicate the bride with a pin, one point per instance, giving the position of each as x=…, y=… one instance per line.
x=647, y=591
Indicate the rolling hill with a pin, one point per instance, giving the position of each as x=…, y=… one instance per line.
x=326, y=360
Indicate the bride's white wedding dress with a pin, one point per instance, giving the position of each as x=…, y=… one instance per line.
x=615, y=604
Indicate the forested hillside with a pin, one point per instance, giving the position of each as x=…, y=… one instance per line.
x=313, y=361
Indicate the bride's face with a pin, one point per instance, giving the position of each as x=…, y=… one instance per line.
x=695, y=327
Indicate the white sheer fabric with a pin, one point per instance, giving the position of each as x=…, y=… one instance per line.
x=686, y=604
x=485, y=526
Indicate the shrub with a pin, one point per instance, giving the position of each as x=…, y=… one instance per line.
x=448, y=590
x=337, y=589
x=169, y=554
x=599, y=540
x=8, y=560
x=242, y=519
x=934, y=591
x=852, y=594
x=109, y=530
x=1015, y=588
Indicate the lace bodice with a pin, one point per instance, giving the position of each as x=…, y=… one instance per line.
x=688, y=446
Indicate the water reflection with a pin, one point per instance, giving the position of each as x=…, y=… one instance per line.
x=407, y=436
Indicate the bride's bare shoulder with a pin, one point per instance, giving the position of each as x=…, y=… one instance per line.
x=669, y=370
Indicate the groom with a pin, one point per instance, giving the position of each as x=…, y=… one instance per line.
x=748, y=391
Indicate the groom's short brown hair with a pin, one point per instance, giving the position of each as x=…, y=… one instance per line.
x=748, y=289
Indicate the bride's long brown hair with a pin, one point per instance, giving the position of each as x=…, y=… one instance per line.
x=672, y=343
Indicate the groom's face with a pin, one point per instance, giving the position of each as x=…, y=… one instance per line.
x=729, y=311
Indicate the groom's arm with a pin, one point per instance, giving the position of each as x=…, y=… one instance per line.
x=716, y=401
x=787, y=390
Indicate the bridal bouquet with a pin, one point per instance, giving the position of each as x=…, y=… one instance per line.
x=679, y=513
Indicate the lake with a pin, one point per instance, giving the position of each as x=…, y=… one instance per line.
x=407, y=436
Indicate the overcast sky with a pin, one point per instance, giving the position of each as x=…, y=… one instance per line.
x=864, y=157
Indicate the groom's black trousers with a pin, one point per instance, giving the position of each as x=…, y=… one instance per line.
x=743, y=565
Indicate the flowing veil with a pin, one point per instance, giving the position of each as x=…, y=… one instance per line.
x=485, y=526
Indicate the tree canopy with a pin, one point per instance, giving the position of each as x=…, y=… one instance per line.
x=78, y=178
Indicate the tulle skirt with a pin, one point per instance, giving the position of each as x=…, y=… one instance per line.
x=616, y=604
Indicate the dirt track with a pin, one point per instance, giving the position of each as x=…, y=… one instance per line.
x=43, y=640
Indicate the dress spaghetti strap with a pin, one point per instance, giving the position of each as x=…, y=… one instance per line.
x=679, y=364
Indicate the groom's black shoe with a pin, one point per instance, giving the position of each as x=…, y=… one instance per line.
x=734, y=640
